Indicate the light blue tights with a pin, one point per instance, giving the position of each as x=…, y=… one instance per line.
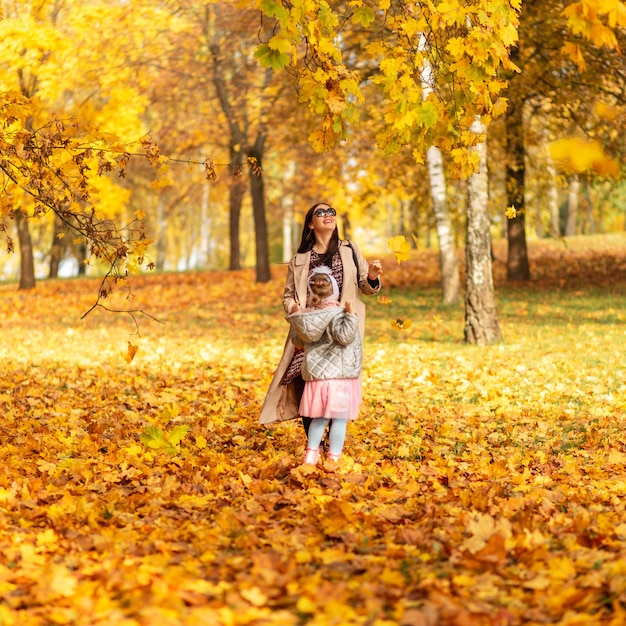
x=337, y=436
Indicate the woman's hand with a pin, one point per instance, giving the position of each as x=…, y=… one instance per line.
x=348, y=306
x=375, y=270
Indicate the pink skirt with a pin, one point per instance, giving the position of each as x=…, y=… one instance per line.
x=338, y=398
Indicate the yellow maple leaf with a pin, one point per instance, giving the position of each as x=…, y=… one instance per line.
x=561, y=568
x=404, y=451
x=574, y=53
x=400, y=247
x=482, y=528
x=511, y=213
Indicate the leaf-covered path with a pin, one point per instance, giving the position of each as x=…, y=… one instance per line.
x=480, y=486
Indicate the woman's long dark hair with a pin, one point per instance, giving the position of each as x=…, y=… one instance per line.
x=308, y=237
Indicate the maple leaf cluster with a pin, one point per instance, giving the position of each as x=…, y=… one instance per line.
x=479, y=485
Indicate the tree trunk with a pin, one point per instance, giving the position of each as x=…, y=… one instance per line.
x=517, y=261
x=572, y=206
x=590, y=215
x=414, y=220
x=205, y=227
x=161, y=243
x=553, y=199
x=450, y=278
x=81, y=255
x=347, y=225
x=235, y=201
x=257, y=191
x=236, y=140
x=27, y=261
x=288, y=214
x=481, y=313
x=58, y=248
x=288, y=230
x=539, y=229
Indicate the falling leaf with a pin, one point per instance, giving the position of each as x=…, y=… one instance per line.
x=400, y=324
x=132, y=351
x=511, y=212
x=400, y=247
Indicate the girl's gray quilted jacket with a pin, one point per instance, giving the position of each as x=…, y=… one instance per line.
x=331, y=341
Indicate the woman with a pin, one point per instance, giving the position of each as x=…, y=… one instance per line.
x=320, y=245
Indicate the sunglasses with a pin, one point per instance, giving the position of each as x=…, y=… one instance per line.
x=323, y=212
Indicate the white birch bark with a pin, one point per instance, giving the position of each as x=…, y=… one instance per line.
x=161, y=247
x=481, y=314
x=288, y=231
x=205, y=228
x=553, y=197
x=288, y=215
x=572, y=206
x=450, y=277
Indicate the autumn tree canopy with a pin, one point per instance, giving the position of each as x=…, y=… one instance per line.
x=366, y=104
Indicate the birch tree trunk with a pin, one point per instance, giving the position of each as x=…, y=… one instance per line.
x=161, y=243
x=481, y=314
x=590, y=216
x=205, y=228
x=553, y=199
x=572, y=206
x=288, y=217
x=450, y=278
x=288, y=232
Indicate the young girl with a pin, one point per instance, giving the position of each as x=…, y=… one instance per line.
x=331, y=340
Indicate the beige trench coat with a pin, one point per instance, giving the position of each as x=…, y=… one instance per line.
x=282, y=401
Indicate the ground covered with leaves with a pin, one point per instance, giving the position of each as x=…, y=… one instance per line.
x=481, y=485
